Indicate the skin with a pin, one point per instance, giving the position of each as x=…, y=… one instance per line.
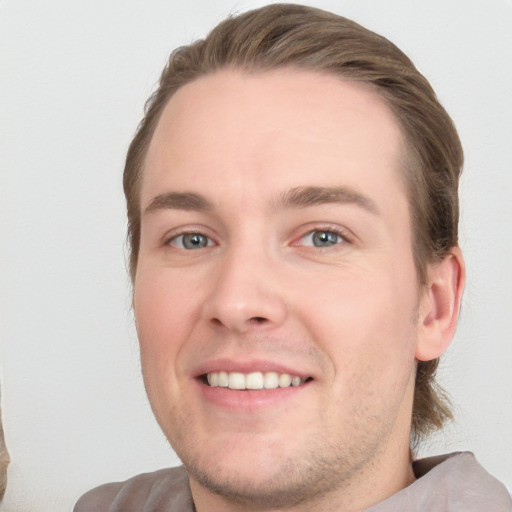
x=261, y=293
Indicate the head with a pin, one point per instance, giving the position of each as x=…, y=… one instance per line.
x=280, y=88
x=282, y=36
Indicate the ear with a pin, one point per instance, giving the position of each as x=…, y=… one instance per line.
x=440, y=306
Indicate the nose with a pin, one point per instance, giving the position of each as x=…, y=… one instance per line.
x=246, y=294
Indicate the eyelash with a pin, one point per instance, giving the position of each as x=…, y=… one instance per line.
x=169, y=240
x=345, y=238
x=336, y=230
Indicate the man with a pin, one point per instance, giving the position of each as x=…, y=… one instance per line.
x=293, y=211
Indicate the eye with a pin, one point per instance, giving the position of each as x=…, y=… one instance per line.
x=191, y=241
x=322, y=238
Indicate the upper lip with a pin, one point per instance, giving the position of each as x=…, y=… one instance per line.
x=247, y=366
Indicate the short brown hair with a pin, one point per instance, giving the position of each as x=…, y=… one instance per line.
x=287, y=35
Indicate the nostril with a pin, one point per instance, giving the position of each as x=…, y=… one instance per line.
x=258, y=319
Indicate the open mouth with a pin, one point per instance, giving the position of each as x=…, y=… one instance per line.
x=252, y=381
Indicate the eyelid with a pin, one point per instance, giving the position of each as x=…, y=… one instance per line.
x=209, y=241
x=346, y=235
x=187, y=230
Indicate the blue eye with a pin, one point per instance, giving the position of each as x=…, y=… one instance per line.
x=322, y=238
x=191, y=241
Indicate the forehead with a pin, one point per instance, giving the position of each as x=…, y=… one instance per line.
x=291, y=124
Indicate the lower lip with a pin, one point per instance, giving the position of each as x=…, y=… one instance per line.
x=249, y=400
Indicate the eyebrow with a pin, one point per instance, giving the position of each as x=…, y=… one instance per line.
x=179, y=201
x=304, y=197
x=298, y=197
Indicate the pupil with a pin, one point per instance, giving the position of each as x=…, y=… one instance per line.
x=323, y=238
x=194, y=241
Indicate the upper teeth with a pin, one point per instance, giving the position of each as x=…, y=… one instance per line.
x=254, y=380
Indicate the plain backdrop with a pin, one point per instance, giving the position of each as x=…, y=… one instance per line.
x=74, y=77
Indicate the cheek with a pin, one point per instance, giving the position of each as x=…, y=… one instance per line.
x=365, y=324
x=162, y=320
x=369, y=335
x=162, y=327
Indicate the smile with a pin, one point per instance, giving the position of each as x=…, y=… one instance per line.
x=253, y=380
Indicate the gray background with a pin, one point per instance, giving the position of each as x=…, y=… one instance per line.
x=74, y=77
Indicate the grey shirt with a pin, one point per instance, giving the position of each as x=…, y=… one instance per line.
x=448, y=483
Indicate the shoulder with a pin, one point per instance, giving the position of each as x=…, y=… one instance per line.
x=463, y=480
x=165, y=489
x=447, y=483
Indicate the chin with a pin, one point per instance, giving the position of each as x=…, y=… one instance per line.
x=270, y=485
x=268, y=475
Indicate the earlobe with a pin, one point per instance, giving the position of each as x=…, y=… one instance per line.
x=440, y=305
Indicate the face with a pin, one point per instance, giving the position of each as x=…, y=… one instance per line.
x=276, y=295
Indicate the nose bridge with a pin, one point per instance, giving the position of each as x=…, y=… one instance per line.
x=246, y=292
